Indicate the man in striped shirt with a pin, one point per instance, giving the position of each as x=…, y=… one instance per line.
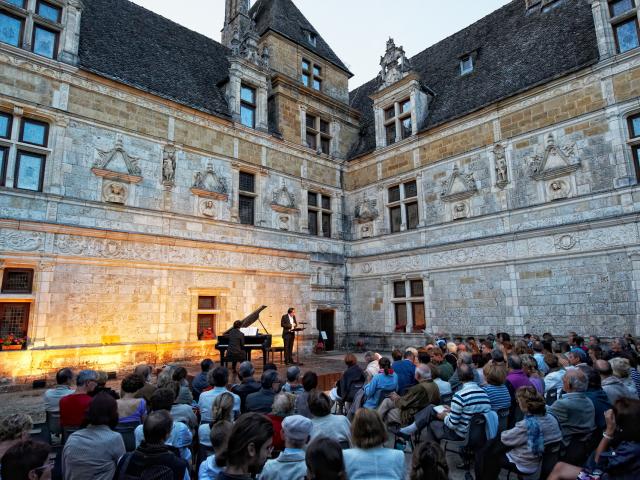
x=453, y=423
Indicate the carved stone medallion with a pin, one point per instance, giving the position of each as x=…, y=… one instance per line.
x=208, y=208
x=558, y=189
x=114, y=192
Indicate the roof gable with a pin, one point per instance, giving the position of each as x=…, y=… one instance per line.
x=514, y=50
x=132, y=45
x=283, y=17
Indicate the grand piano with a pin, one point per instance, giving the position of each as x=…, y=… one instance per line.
x=251, y=342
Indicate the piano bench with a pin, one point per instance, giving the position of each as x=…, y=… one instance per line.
x=272, y=351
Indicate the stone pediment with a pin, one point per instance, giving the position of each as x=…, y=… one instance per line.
x=366, y=211
x=458, y=186
x=554, y=162
x=210, y=184
x=117, y=164
x=283, y=200
x=394, y=65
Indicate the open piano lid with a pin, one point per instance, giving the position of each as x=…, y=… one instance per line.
x=250, y=319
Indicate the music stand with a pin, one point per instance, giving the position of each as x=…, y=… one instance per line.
x=299, y=329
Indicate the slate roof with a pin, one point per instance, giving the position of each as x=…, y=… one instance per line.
x=516, y=50
x=283, y=16
x=122, y=41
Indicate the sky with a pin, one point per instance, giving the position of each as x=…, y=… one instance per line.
x=357, y=30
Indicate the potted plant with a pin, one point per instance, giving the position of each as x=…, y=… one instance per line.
x=11, y=342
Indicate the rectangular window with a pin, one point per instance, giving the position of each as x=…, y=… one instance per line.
x=49, y=11
x=396, y=219
x=406, y=128
x=400, y=122
x=402, y=200
x=29, y=171
x=17, y=3
x=466, y=65
x=389, y=113
x=17, y=280
x=410, y=189
x=11, y=29
x=317, y=134
x=633, y=123
x=311, y=75
x=618, y=7
x=247, y=182
x=248, y=106
x=207, y=303
x=45, y=41
x=399, y=290
x=419, y=321
x=626, y=34
x=5, y=125
x=390, y=134
x=34, y=132
x=246, y=209
x=4, y=159
x=413, y=219
x=319, y=214
x=417, y=288
x=14, y=319
x=401, y=317
x=394, y=194
x=208, y=311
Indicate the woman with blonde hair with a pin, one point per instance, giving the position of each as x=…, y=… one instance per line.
x=222, y=411
x=369, y=459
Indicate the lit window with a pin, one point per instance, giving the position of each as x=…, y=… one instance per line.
x=408, y=302
x=11, y=29
x=208, y=311
x=311, y=75
x=319, y=214
x=49, y=11
x=246, y=198
x=397, y=121
x=624, y=24
x=403, y=200
x=248, y=106
x=466, y=65
x=318, y=134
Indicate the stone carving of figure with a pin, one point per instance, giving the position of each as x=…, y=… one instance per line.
x=115, y=193
x=169, y=165
x=459, y=211
x=366, y=211
x=501, y=169
x=199, y=181
x=207, y=208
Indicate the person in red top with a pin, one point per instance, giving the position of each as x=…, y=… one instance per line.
x=73, y=408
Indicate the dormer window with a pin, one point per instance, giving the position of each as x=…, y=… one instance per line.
x=248, y=106
x=312, y=38
x=311, y=75
x=318, y=134
x=466, y=65
x=397, y=121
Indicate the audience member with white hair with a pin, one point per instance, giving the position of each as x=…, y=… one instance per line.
x=621, y=368
x=574, y=411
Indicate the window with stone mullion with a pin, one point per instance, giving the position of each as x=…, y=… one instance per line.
x=408, y=304
x=633, y=123
x=319, y=214
x=397, y=121
x=317, y=134
x=624, y=23
x=403, y=198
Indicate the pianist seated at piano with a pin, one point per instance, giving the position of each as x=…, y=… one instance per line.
x=218, y=379
x=235, y=350
x=230, y=345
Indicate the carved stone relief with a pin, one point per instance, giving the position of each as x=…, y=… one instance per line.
x=458, y=186
x=114, y=192
x=566, y=242
x=460, y=211
x=394, y=65
x=117, y=164
x=283, y=200
x=208, y=208
x=209, y=183
x=558, y=189
x=21, y=241
x=554, y=162
x=284, y=222
x=169, y=165
x=366, y=211
x=501, y=167
x=366, y=230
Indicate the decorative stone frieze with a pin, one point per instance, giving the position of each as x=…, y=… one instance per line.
x=555, y=162
x=210, y=184
x=458, y=186
x=117, y=164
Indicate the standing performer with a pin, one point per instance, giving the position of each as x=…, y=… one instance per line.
x=288, y=323
x=235, y=350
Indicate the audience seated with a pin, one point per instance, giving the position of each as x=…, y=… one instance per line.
x=553, y=379
x=405, y=369
x=495, y=375
x=444, y=368
x=443, y=386
x=517, y=377
x=181, y=412
x=293, y=384
x=530, y=367
x=26, y=460
x=429, y=463
x=402, y=409
x=373, y=367
x=201, y=382
x=290, y=464
x=453, y=422
x=353, y=375
x=52, y=396
x=525, y=443
x=222, y=411
x=248, y=448
x=218, y=437
x=369, y=459
x=93, y=452
x=101, y=386
x=284, y=405
x=180, y=375
x=617, y=457
x=131, y=409
x=325, y=424
x=14, y=429
x=262, y=400
x=597, y=395
x=309, y=383
x=574, y=411
x=467, y=359
x=153, y=458
x=74, y=407
x=180, y=437
x=612, y=385
x=247, y=385
x=385, y=380
x=145, y=392
x=538, y=355
x=325, y=460
x=218, y=379
x=622, y=369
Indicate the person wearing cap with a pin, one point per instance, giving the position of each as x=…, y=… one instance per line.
x=290, y=464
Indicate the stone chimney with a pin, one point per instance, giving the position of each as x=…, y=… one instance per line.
x=236, y=18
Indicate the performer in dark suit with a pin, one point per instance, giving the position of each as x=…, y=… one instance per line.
x=288, y=322
x=235, y=351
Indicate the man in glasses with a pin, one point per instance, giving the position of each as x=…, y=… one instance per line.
x=27, y=460
x=73, y=407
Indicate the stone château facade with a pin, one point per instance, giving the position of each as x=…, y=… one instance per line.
x=156, y=185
